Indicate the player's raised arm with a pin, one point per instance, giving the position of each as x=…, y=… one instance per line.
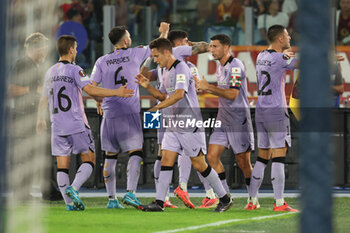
x=123, y=91
x=163, y=30
x=145, y=83
x=145, y=70
x=199, y=47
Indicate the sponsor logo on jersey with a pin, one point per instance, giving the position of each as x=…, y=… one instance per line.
x=236, y=71
x=180, y=78
x=170, y=89
x=222, y=83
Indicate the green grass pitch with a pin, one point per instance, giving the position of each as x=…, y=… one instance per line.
x=96, y=218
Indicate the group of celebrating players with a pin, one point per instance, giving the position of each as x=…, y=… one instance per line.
x=178, y=80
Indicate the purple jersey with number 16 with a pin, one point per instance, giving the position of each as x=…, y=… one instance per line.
x=116, y=69
x=270, y=68
x=62, y=87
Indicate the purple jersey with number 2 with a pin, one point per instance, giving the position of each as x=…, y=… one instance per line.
x=62, y=87
x=270, y=68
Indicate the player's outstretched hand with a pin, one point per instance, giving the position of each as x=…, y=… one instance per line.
x=123, y=91
x=41, y=126
x=154, y=109
x=201, y=84
x=142, y=80
x=339, y=58
x=99, y=108
x=289, y=53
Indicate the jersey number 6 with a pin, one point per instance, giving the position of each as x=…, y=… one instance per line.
x=122, y=80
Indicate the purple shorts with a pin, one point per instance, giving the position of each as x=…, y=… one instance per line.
x=121, y=134
x=237, y=136
x=189, y=144
x=273, y=134
x=76, y=143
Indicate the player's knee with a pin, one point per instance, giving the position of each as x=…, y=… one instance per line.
x=165, y=161
x=213, y=160
x=90, y=157
x=196, y=165
x=243, y=162
x=137, y=153
x=199, y=165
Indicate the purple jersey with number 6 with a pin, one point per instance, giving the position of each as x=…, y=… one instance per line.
x=116, y=69
x=62, y=87
x=270, y=68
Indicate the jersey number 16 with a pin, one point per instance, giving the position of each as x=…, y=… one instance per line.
x=60, y=97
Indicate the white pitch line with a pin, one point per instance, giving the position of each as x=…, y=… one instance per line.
x=214, y=224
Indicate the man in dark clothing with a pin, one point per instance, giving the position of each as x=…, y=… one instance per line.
x=26, y=150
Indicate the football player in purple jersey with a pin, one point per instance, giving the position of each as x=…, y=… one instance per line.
x=234, y=112
x=271, y=116
x=121, y=129
x=178, y=94
x=70, y=130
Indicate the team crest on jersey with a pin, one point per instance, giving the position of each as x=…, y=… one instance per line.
x=180, y=78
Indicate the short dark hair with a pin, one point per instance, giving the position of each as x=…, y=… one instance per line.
x=175, y=35
x=116, y=34
x=71, y=13
x=35, y=40
x=161, y=44
x=273, y=32
x=224, y=39
x=64, y=43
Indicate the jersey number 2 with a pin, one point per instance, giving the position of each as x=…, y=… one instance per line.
x=261, y=91
x=60, y=96
x=122, y=80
